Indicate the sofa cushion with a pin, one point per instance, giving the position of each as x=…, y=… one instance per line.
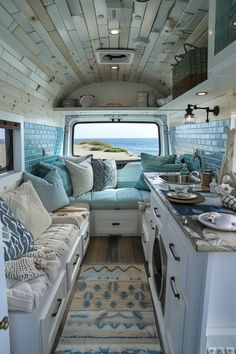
x=151, y=163
x=128, y=198
x=81, y=175
x=50, y=189
x=44, y=168
x=17, y=239
x=26, y=205
x=104, y=174
x=120, y=198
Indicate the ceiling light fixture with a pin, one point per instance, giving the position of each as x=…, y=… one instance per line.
x=189, y=116
x=114, y=31
x=203, y=93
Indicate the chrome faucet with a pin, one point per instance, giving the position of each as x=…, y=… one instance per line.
x=198, y=157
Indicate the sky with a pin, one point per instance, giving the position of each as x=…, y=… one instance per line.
x=116, y=130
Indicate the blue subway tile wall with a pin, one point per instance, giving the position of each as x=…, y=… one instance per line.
x=42, y=144
x=207, y=139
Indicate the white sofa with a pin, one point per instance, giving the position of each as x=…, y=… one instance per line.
x=35, y=331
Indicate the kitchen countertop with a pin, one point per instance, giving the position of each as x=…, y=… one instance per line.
x=203, y=238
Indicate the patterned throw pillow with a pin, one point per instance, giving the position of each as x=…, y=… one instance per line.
x=104, y=174
x=17, y=239
x=26, y=205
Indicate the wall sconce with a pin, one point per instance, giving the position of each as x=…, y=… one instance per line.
x=189, y=116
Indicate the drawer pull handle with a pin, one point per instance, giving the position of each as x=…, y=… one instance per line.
x=152, y=227
x=59, y=301
x=172, y=283
x=86, y=236
x=158, y=215
x=143, y=238
x=115, y=224
x=4, y=324
x=172, y=249
x=76, y=259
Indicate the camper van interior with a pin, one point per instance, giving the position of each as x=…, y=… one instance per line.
x=117, y=176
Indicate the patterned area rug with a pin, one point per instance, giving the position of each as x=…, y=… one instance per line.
x=111, y=313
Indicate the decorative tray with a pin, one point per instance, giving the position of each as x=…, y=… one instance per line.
x=219, y=221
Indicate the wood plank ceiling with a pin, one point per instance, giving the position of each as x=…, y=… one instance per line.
x=47, y=47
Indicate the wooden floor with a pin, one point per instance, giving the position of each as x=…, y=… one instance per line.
x=114, y=249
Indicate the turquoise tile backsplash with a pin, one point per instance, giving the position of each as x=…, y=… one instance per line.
x=208, y=139
x=42, y=143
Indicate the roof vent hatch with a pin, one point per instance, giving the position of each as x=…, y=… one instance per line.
x=115, y=56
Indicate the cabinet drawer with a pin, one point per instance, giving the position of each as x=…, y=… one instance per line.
x=125, y=224
x=160, y=214
x=73, y=262
x=85, y=236
x=145, y=240
x=53, y=312
x=177, y=257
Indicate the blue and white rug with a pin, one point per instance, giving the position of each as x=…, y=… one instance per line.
x=111, y=313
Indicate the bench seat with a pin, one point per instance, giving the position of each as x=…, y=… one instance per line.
x=113, y=199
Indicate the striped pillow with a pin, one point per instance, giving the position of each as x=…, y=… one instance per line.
x=17, y=239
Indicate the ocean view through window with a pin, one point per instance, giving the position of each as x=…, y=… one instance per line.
x=118, y=141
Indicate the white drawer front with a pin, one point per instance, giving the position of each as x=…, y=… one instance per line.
x=117, y=227
x=85, y=235
x=125, y=223
x=52, y=314
x=73, y=263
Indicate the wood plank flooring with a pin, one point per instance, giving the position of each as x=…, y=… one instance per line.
x=114, y=249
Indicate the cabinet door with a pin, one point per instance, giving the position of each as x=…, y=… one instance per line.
x=174, y=316
x=4, y=331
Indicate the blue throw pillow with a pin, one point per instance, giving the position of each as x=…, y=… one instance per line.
x=17, y=239
x=152, y=163
x=104, y=174
x=44, y=168
x=50, y=189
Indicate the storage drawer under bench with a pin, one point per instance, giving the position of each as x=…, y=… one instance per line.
x=115, y=222
x=52, y=314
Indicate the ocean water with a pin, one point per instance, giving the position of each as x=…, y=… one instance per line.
x=133, y=145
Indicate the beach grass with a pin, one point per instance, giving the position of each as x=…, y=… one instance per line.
x=101, y=146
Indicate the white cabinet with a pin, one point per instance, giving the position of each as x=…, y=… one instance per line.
x=221, y=48
x=4, y=330
x=174, y=317
x=147, y=232
x=200, y=302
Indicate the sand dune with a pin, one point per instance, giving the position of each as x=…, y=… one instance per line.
x=85, y=149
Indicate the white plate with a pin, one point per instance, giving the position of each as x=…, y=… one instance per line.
x=225, y=222
x=186, y=196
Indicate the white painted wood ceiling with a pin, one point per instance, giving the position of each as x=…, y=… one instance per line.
x=47, y=47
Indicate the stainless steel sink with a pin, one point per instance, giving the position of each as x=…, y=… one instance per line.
x=180, y=179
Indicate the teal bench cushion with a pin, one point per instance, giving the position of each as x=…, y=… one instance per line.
x=120, y=198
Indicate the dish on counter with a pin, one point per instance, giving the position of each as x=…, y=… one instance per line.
x=182, y=195
x=219, y=221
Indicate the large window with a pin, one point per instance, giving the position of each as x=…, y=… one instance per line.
x=118, y=141
x=6, y=149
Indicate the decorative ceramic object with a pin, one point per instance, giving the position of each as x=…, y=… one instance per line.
x=223, y=189
x=87, y=101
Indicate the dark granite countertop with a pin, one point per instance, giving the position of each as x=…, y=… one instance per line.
x=203, y=238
